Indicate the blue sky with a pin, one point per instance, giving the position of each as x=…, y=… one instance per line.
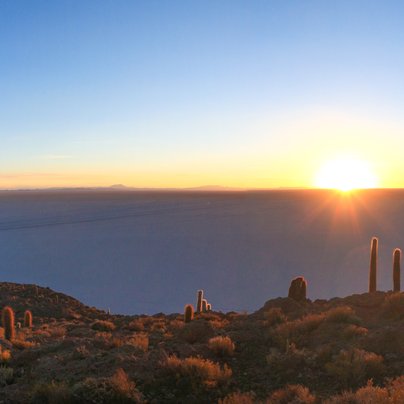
x=186, y=93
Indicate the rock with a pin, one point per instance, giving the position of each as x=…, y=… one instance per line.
x=297, y=289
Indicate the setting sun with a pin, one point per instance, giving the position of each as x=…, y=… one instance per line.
x=346, y=174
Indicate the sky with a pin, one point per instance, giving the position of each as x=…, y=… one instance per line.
x=191, y=93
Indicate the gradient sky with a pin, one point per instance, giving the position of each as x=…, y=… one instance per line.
x=189, y=93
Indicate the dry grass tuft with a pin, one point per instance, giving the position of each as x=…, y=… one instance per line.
x=103, y=325
x=221, y=346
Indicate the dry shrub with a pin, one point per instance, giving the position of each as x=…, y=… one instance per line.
x=103, y=325
x=274, y=316
x=176, y=325
x=135, y=325
x=51, y=393
x=393, y=306
x=221, y=346
x=287, y=367
x=197, y=371
x=395, y=388
x=57, y=332
x=115, y=389
x=353, y=330
x=219, y=323
x=342, y=314
x=196, y=331
x=117, y=342
x=80, y=352
x=292, y=394
x=103, y=340
x=238, y=398
x=392, y=393
x=158, y=326
x=297, y=330
x=5, y=355
x=355, y=367
x=139, y=341
x=365, y=395
x=23, y=344
x=6, y=376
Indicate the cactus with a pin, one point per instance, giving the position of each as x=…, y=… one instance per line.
x=298, y=289
x=199, y=303
x=209, y=307
x=188, y=313
x=396, y=269
x=373, y=265
x=7, y=317
x=204, y=305
x=28, y=319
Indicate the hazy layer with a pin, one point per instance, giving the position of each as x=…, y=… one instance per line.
x=148, y=252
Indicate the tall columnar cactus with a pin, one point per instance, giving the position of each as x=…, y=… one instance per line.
x=373, y=265
x=199, y=302
x=7, y=318
x=204, y=305
x=298, y=289
x=396, y=269
x=209, y=307
x=188, y=313
x=28, y=319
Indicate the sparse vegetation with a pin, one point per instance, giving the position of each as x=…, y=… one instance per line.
x=289, y=351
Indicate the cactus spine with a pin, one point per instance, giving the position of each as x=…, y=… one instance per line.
x=396, y=269
x=188, y=313
x=7, y=318
x=199, y=303
x=373, y=265
x=28, y=319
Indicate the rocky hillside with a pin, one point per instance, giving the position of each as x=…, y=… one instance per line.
x=288, y=351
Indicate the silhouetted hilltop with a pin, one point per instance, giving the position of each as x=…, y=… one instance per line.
x=288, y=350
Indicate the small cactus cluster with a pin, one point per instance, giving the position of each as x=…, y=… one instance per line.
x=373, y=267
x=298, y=289
x=202, y=304
x=8, y=322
